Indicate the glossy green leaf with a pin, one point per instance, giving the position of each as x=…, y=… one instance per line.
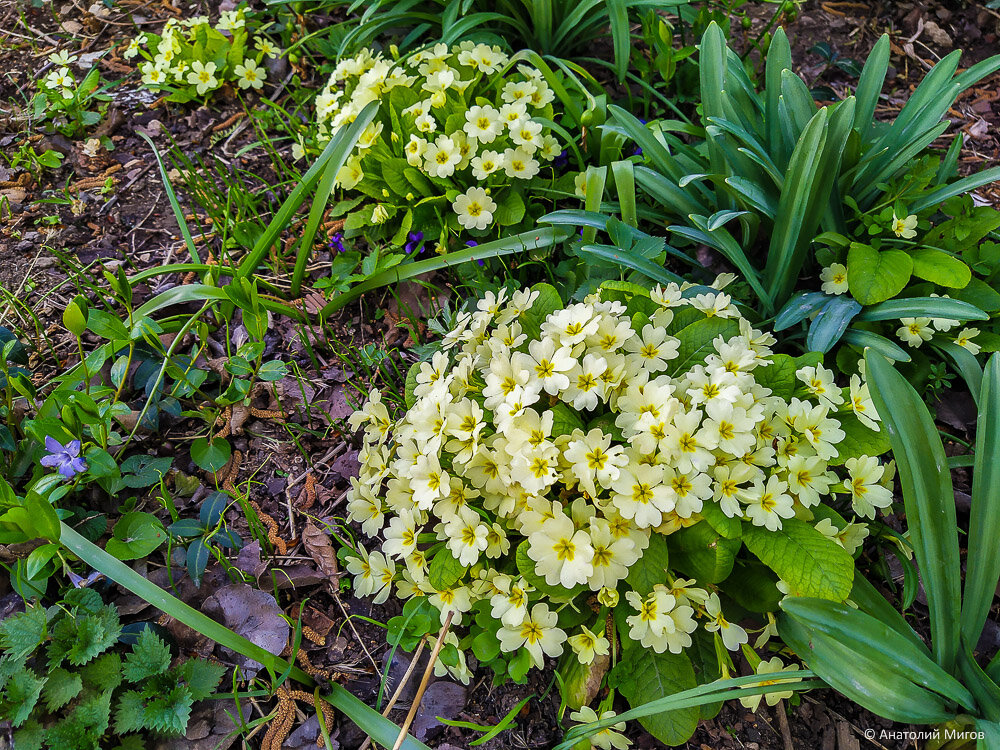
x=874, y=276
x=983, y=563
x=928, y=498
x=867, y=681
x=923, y=307
x=873, y=639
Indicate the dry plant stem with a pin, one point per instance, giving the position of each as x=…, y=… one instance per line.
x=786, y=731
x=399, y=688
x=428, y=671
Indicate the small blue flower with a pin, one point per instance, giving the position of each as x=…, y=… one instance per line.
x=337, y=242
x=562, y=160
x=415, y=240
x=65, y=458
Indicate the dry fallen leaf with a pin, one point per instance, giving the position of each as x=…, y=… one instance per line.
x=252, y=613
x=317, y=544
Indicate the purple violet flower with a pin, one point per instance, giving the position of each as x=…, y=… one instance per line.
x=473, y=243
x=415, y=240
x=337, y=242
x=65, y=458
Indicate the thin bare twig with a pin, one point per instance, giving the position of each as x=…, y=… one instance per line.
x=428, y=671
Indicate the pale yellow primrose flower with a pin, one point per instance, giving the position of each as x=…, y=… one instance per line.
x=773, y=665
x=202, y=76
x=250, y=75
x=905, y=227
x=834, y=278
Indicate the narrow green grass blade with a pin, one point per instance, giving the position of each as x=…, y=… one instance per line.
x=174, y=203
x=380, y=729
x=982, y=569
x=533, y=240
x=870, y=86
x=876, y=641
x=339, y=147
x=322, y=197
x=928, y=498
x=731, y=689
x=965, y=185
x=928, y=307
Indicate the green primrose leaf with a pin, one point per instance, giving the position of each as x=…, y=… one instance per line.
x=875, y=276
x=941, y=268
x=811, y=564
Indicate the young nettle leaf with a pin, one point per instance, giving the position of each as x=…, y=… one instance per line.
x=21, y=634
x=201, y=677
x=150, y=656
x=20, y=694
x=61, y=687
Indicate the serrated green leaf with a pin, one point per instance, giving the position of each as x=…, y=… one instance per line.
x=807, y=561
x=103, y=673
x=150, y=656
x=61, y=687
x=21, y=693
x=21, y=634
x=202, y=677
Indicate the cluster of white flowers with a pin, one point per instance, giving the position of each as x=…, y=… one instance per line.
x=459, y=122
x=60, y=79
x=492, y=457
x=168, y=64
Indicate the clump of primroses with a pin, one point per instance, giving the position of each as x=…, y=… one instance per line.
x=543, y=463
x=460, y=130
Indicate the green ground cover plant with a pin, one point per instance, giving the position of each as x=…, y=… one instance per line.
x=85, y=693
x=943, y=684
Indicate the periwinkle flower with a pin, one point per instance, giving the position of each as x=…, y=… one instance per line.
x=65, y=458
